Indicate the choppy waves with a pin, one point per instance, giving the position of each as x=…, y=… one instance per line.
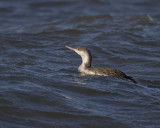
x=39, y=82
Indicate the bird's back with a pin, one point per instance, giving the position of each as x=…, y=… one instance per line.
x=106, y=71
x=109, y=72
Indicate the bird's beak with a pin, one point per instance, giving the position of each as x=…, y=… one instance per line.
x=70, y=48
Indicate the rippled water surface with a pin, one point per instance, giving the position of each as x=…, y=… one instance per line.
x=40, y=86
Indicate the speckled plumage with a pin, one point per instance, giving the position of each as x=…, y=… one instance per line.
x=85, y=67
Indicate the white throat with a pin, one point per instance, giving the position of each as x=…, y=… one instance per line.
x=85, y=61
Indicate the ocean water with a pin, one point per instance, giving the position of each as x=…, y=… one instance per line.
x=40, y=86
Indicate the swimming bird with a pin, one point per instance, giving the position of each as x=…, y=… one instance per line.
x=85, y=67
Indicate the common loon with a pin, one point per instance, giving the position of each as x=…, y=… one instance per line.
x=85, y=67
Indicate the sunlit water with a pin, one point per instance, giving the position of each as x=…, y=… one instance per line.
x=39, y=83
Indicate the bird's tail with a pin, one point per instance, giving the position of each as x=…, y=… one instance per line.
x=129, y=78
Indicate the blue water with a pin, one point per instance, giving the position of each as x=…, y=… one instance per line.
x=40, y=86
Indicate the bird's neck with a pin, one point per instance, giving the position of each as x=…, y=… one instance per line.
x=86, y=62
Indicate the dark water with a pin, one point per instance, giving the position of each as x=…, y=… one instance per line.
x=39, y=83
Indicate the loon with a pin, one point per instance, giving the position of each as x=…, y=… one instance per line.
x=85, y=67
